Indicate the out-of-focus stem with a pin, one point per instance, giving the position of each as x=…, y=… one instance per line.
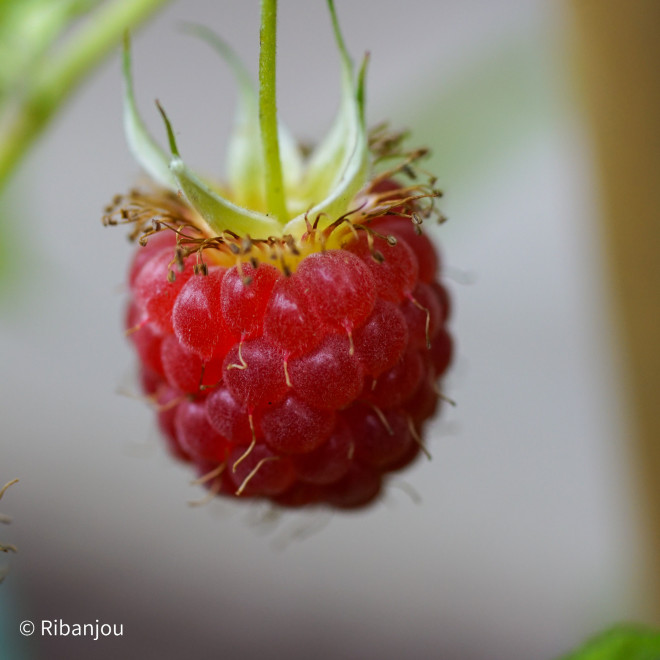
x=619, y=53
x=60, y=75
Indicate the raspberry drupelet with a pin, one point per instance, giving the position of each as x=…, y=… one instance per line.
x=291, y=333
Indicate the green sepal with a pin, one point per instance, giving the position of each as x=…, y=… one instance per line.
x=146, y=151
x=339, y=168
x=219, y=213
x=331, y=160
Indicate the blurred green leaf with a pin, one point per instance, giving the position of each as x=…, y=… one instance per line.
x=625, y=642
x=27, y=30
x=44, y=57
x=42, y=62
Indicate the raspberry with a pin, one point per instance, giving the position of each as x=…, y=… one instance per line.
x=294, y=427
x=245, y=294
x=161, y=240
x=329, y=462
x=261, y=473
x=394, y=267
x=197, y=318
x=328, y=376
x=338, y=288
x=196, y=437
x=184, y=369
x=291, y=355
x=381, y=341
x=157, y=286
x=254, y=373
x=146, y=338
x=427, y=257
x=315, y=415
x=423, y=313
x=229, y=417
x=289, y=323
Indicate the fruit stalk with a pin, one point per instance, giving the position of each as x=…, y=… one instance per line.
x=268, y=111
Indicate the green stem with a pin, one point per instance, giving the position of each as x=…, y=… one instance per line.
x=275, y=198
x=63, y=73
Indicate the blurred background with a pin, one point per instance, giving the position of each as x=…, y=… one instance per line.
x=525, y=540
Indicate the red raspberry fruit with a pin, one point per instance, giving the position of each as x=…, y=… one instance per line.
x=326, y=382
x=291, y=355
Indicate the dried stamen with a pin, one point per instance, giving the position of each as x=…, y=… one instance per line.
x=256, y=469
